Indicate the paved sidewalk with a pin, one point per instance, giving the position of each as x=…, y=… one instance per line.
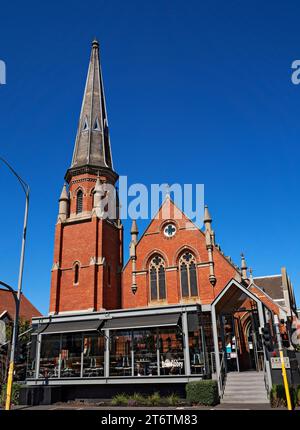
x=68, y=406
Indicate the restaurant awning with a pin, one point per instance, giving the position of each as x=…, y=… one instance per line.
x=143, y=321
x=68, y=327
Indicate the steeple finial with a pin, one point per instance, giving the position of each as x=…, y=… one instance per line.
x=95, y=43
x=92, y=145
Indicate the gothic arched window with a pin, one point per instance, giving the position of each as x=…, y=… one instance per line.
x=157, y=278
x=76, y=273
x=188, y=275
x=79, y=201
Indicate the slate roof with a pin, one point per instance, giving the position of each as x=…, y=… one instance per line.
x=92, y=145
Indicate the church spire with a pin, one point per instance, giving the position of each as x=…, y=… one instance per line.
x=92, y=145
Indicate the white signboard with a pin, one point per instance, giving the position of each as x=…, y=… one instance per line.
x=172, y=363
x=276, y=362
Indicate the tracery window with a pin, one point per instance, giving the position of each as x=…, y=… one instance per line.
x=188, y=275
x=157, y=278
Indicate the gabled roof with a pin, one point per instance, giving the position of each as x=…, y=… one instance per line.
x=173, y=209
x=7, y=306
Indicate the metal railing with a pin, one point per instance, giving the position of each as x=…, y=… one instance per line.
x=221, y=377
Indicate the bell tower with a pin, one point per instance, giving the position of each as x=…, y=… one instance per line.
x=88, y=258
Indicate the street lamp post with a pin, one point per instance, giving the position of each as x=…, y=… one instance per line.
x=25, y=188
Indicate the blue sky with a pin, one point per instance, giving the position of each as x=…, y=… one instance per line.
x=197, y=92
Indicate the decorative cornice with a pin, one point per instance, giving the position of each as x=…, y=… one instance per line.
x=93, y=170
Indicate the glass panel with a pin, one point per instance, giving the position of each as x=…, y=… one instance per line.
x=145, y=352
x=30, y=371
x=93, y=355
x=184, y=281
x=71, y=355
x=120, y=353
x=153, y=283
x=193, y=279
x=162, y=283
x=197, y=358
x=171, y=351
x=49, y=357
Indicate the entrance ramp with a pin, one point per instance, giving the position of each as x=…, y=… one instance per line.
x=245, y=387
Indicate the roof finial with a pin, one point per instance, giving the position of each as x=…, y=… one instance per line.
x=251, y=274
x=95, y=43
x=207, y=219
x=243, y=266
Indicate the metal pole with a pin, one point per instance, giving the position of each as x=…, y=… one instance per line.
x=284, y=376
x=25, y=188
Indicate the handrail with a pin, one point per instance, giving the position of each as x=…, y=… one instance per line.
x=222, y=375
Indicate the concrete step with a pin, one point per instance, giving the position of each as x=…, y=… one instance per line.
x=241, y=401
x=243, y=377
x=248, y=395
x=245, y=390
x=245, y=387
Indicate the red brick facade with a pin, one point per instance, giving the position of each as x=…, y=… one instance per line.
x=96, y=246
x=187, y=237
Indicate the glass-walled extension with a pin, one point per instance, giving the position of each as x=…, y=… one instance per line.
x=122, y=348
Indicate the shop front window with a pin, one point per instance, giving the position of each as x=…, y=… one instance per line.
x=93, y=355
x=71, y=355
x=120, y=353
x=196, y=345
x=171, y=351
x=49, y=358
x=145, y=352
x=30, y=368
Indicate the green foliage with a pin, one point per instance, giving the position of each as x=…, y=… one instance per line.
x=154, y=399
x=138, y=399
x=23, y=326
x=14, y=395
x=278, y=397
x=202, y=392
x=172, y=400
x=120, y=400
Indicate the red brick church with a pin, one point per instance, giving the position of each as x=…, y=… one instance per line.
x=178, y=309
